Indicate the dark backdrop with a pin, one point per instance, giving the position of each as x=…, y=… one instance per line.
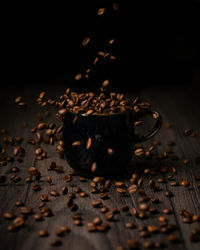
x=157, y=42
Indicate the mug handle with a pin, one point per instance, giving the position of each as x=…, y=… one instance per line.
x=156, y=128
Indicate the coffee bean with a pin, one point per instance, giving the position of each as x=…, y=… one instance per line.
x=18, y=203
x=97, y=221
x=61, y=230
x=85, y=42
x=54, y=193
x=144, y=207
x=166, y=211
x=174, y=183
x=152, y=229
x=83, y=194
x=38, y=217
x=77, y=222
x=169, y=193
x=109, y=215
x=89, y=143
x=148, y=244
x=185, y=183
x=64, y=190
x=129, y=225
x=173, y=238
x=139, y=152
x=119, y=184
x=196, y=217
x=43, y=233
x=105, y=83
x=188, y=131
x=48, y=179
x=94, y=167
x=96, y=203
x=132, y=189
x=18, y=222
x=26, y=210
x=76, y=144
x=133, y=244
x=9, y=216
x=44, y=197
x=36, y=187
x=187, y=219
x=121, y=190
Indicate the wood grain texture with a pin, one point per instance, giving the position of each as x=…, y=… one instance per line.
x=177, y=107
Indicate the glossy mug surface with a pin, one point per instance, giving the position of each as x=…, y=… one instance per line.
x=115, y=131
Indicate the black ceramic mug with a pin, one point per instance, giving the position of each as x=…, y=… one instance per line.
x=115, y=131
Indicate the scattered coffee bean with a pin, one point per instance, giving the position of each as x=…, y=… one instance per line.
x=54, y=193
x=9, y=216
x=173, y=238
x=188, y=131
x=185, y=183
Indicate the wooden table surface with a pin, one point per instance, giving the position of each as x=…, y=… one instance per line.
x=178, y=105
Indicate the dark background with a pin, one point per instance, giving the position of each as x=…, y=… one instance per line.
x=157, y=42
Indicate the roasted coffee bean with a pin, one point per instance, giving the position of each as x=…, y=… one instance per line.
x=187, y=219
x=83, y=194
x=109, y=215
x=38, y=217
x=196, y=217
x=188, y=131
x=44, y=197
x=48, y=179
x=148, y=244
x=43, y=233
x=153, y=210
x=96, y=203
x=166, y=211
x=85, y=41
x=129, y=225
x=185, y=183
x=89, y=143
x=54, y=193
x=121, y=190
x=174, y=183
x=133, y=244
x=76, y=144
x=77, y=222
x=64, y=190
x=97, y=221
x=139, y=152
x=104, y=209
x=94, y=167
x=18, y=203
x=169, y=193
x=152, y=229
x=173, y=238
x=132, y=189
x=18, y=222
x=144, y=207
x=36, y=187
x=26, y=210
x=9, y=216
